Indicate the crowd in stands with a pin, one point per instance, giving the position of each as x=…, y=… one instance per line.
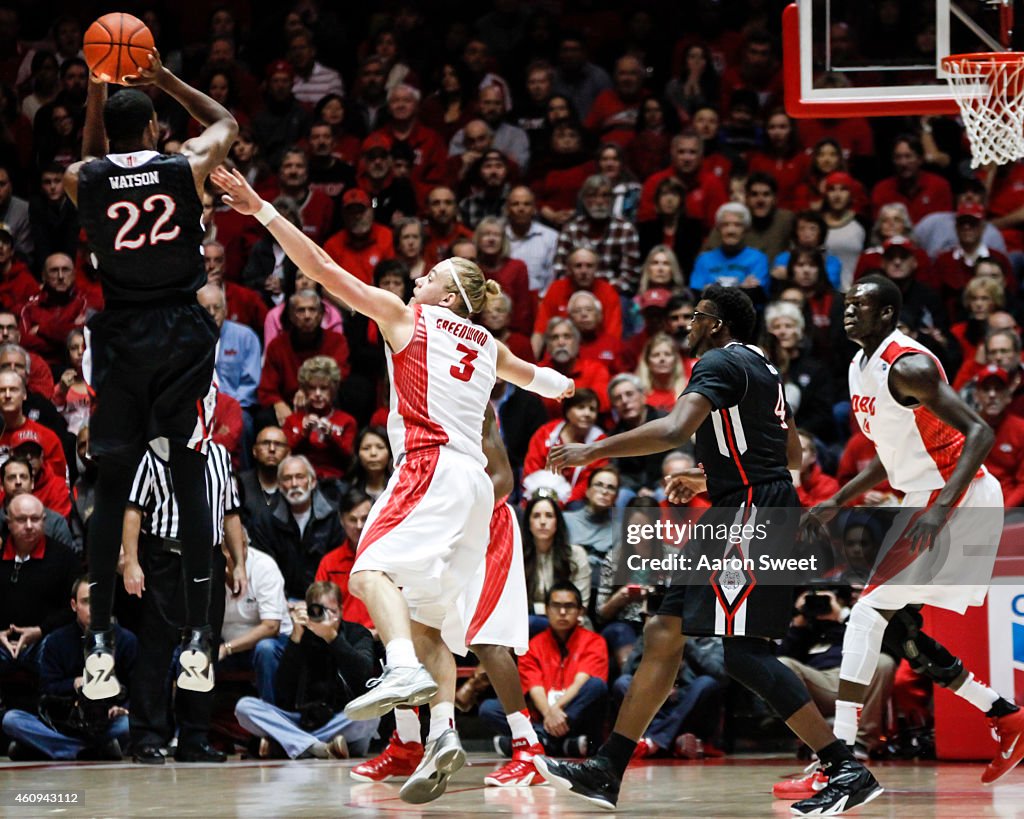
x=603, y=166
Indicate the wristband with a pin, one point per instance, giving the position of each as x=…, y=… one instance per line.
x=265, y=215
x=548, y=383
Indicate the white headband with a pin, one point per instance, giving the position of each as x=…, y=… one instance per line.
x=458, y=284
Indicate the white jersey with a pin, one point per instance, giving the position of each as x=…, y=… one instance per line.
x=919, y=452
x=441, y=382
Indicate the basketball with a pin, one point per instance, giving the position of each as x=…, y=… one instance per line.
x=117, y=45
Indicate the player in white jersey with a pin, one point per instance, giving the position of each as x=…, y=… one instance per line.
x=931, y=446
x=428, y=531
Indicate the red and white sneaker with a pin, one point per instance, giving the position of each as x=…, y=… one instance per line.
x=803, y=787
x=398, y=759
x=645, y=748
x=519, y=770
x=1009, y=731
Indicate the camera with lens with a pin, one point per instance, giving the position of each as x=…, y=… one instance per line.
x=317, y=613
x=816, y=605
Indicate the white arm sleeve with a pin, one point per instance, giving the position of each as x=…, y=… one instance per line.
x=548, y=383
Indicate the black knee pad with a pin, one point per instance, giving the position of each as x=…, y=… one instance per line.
x=749, y=660
x=904, y=637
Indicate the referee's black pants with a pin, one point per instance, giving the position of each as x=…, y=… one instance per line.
x=151, y=719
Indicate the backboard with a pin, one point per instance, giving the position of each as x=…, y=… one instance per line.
x=846, y=58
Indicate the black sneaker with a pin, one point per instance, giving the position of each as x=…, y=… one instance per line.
x=850, y=785
x=593, y=780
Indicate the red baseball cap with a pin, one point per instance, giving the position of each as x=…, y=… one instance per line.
x=355, y=196
x=656, y=297
x=376, y=141
x=994, y=371
x=26, y=437
x=840, y=178
x=280, y=67
x=898, y=243
x=971, y=209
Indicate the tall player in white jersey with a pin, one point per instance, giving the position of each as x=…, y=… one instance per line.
x=428, y=532
x=931, y=446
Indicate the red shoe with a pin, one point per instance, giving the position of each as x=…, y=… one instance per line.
x=1009, y=730
x=398, y=759
x=804, y=787
x=645, y=748
x=519, y=770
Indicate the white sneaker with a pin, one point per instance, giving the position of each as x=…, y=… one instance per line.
x=441, y=758
x=404, y=685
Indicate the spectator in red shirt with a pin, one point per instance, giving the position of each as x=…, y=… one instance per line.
x=662, y=372
x=38, y=375
x=893, y=221
x=562, y=352
x=361, y=243
x=492, y=254
x=814, y=485
x=564, y=676
x=17, y=428
x=325, y=435
x=582, y=268
x=557, y=182
x=783, y=158
x=431, y=155
x=279, y=382
x=243, y=304
x=495, y=317
x=443, y=226
x=50, y=488
x=54, y=312
x=586, y=313
x=758, y=71
x=1005, y=189
x=612, y=117
x=17, y=284
x=923, y=192
x=705, y=192
x=316, y=209
x=336, y=565
x=954, y=268
x=993, y=393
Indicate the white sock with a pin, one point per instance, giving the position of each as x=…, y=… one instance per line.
x=407, y=724
x=442, y=717
x=400, y=653
x=521, y=727
x=847, y=716
x=977, y=694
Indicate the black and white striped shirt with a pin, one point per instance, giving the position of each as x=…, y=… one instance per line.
x=153, y=493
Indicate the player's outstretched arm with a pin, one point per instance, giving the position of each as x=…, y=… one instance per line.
x=659, y=435
x=916, y=378
x=206, y=151
x=94, y=135
x=544, y=381
x=382, y=306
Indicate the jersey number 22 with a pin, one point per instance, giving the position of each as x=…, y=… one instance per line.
x=156, y=234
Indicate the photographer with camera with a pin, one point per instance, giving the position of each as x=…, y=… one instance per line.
x=70, y=726
x=326, y=663
x=813, y=650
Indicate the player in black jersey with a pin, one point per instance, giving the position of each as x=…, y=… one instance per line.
x=746, y=442
x=152, y=348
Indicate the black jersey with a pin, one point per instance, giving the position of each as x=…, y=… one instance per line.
x=742, y=443
x=143, y=219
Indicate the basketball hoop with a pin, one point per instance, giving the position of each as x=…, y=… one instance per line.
x=989, y=89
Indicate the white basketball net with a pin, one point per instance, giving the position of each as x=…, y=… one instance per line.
x=989, y=90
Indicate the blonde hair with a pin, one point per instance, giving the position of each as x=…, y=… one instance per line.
x=673, y=263
x=477, y=288
x=493, y=221
x=320, y=366
x=990, y=287
x=643, y=369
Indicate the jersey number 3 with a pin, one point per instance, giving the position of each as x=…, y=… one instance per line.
x=156, y=234
x=465, y=371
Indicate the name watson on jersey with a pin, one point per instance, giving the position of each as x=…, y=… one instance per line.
x=135, y=180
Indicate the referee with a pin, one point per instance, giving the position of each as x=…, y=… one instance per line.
x=153, y=564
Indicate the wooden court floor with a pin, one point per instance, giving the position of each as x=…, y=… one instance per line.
x=737, y=787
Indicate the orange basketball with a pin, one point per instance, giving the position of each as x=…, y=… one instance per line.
x=117, y=45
